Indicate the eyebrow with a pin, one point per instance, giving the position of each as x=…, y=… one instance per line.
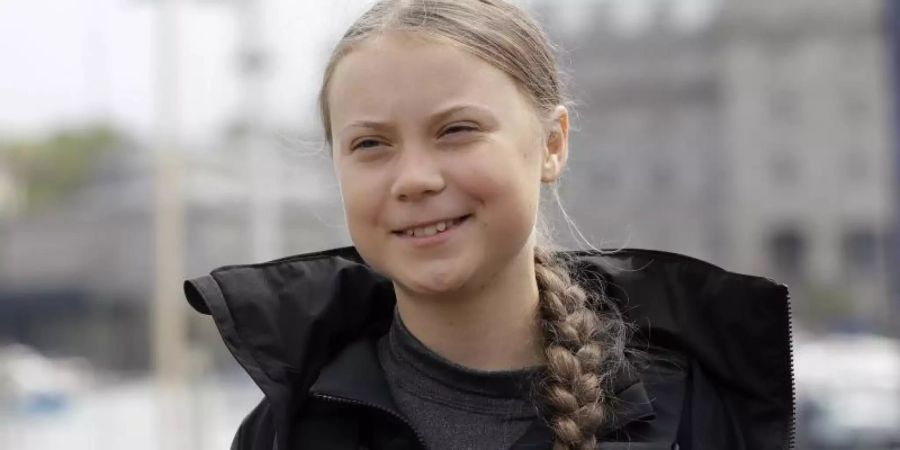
x=437, y=117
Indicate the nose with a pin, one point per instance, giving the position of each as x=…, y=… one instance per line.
x=418, y=175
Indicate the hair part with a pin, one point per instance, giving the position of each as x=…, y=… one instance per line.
x=583, y=347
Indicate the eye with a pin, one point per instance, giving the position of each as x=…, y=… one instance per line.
x=459, y=128
x=365, y=143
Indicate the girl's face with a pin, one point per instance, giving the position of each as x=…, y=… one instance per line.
x=440, y=160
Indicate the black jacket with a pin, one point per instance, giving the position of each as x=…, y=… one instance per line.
x=718, y=345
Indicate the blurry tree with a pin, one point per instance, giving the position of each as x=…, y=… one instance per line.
x=826, y=307
x=47, y=169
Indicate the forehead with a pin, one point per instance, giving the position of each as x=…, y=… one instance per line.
x=397, y=74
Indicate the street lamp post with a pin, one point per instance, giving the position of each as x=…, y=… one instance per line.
x=169, y=315
x=263, y=178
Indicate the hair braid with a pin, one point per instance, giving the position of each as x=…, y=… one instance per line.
x=583, y=349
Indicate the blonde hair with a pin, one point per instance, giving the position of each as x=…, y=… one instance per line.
x=584, y=347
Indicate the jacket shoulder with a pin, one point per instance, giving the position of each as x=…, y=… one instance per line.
x=257, y=430
x=733, y=330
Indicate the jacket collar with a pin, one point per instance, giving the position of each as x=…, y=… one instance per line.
x=355, y=374
x=286, y=319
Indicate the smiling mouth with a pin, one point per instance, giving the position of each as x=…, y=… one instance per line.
x=433, y=228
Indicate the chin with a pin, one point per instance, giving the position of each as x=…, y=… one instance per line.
x=434, y=283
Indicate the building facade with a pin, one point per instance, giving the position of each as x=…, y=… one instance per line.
x=758, y=138
x=808, y=126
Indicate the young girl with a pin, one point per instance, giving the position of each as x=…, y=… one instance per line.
x=452, y=323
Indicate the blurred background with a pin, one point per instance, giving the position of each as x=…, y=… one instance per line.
x=146, y=141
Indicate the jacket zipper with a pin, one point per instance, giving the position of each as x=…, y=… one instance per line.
x=792, y=425
x=349, y=401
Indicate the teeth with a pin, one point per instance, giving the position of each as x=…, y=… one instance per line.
x=430, y=230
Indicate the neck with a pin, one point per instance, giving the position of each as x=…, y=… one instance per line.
x=494, y=327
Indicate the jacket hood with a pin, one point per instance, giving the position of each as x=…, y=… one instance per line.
x=283, y=320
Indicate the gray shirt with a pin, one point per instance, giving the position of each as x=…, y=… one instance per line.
x=454, y=407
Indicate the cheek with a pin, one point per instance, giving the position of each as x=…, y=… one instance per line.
x=509, y=188
x=362, y=203
x=361, y=210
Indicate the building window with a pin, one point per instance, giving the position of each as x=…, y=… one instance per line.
x=787, y=249
x=860, y=250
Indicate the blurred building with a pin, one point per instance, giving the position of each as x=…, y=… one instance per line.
x=73, y=278
x=647, y=166
x=809, y=127
x=78, y=279
x=758, y=138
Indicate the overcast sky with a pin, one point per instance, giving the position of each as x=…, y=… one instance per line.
x=73, y=61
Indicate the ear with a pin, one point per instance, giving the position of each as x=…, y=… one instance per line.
x=556, y=146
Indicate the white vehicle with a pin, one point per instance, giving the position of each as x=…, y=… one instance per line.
x=848, y=390
x=33, y=384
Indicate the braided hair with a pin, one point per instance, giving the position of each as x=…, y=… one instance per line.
x=584, y=348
